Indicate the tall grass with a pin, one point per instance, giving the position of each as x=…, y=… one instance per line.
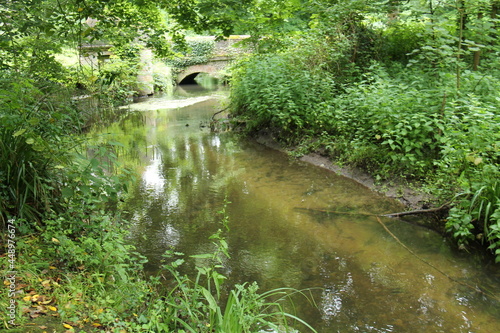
x=199, y=305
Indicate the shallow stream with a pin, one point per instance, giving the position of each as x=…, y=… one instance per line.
x=295, y=225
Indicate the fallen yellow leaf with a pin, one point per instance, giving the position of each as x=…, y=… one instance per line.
x=26, y=298
x=55, y=240
x=52, y=308
x=52, y=267
x=69, y=327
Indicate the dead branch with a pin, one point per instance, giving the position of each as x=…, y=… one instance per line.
x=216, y=113
x=420, y=211
x=334, y=211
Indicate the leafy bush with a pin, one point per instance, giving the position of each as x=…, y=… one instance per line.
x=399, y=40
x=162, y=76
x=434, y=120
x=34, y=130
x=477, y=211
x=269, y=92
x=117, y=77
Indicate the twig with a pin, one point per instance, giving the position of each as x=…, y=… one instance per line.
x=419, y=211
x=334, y=212
x=216, y=113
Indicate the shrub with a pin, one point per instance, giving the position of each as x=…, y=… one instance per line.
x=34, y=126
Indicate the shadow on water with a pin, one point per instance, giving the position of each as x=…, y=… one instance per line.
x=367, y=281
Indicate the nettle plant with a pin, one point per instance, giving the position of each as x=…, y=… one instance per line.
x=470, y=153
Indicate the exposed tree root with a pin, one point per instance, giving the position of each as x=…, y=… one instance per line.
x=216, y=113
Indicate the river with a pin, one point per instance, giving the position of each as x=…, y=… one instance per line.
x=294, y=225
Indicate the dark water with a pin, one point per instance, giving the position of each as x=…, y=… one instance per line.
x=280, y=234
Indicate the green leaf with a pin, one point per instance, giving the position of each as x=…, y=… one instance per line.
x=20, y=132
x=67, y=192
x=202, y=256
x=212, y=304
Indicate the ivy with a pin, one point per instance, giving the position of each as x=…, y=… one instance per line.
x=193, y=53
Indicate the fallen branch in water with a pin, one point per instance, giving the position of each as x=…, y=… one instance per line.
x=412, y=212
x=216, y=113
x=334, y=212
x=419, y=211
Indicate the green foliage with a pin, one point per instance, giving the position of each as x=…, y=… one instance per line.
x=400, y=39
x=35, y=123
x=265, y=21
x=409, y=93
x=162, y=76
x=192, y=53
x=90, y=277
x=477, y=211
x=79, y=252
x=117, y=78
x=269, y=92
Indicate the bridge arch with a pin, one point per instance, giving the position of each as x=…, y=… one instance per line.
x=191, y=71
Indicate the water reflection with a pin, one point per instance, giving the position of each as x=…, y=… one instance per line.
x=283, y=235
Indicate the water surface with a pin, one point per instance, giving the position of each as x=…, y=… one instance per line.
x=281, y=234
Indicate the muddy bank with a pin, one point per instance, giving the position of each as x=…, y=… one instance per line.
x=411, y=198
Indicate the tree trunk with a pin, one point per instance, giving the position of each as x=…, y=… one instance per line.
x=477, y=54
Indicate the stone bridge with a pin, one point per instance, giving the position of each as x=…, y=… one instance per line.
x=223, y=53
x=214, y=67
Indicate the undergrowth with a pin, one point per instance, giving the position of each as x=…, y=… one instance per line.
x=425, y=116
x=84, y=275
